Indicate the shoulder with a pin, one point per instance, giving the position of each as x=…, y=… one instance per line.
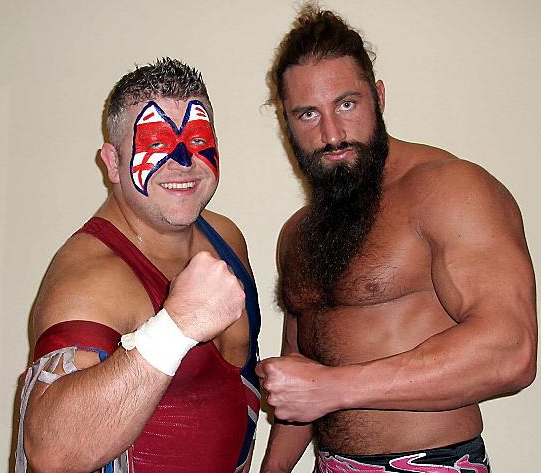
x=230, y=232
x=451, y=194
x=87, y=281
x=288, y=231
x=425, y=171
x=410, y=163
x=291, y=224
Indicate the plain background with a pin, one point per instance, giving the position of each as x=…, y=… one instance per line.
x=463, y=75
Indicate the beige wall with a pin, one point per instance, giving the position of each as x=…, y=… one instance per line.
x=463, y=75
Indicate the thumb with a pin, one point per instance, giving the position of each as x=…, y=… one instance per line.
x=265, y=367
x=260, y=369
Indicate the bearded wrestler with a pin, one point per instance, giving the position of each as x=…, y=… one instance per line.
x=406, y=282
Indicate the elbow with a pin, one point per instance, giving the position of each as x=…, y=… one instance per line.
x=42, y=448
x=44, y=460
x=39, y=460
x=522, y=368
x=48, y=458
x=527, y=375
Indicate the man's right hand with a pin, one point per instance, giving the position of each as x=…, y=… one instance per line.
x=205, y=298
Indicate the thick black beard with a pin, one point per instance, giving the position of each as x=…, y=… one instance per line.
x=345, y=202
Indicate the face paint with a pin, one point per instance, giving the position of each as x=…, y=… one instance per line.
x=156, y=139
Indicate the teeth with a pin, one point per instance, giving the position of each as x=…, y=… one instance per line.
x=176, y=185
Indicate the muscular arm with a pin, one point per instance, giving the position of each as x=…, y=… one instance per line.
x=287, y=442
x=87, y=418
x=286, y=445
x=483, y=278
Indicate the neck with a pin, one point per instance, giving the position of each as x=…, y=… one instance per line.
x=168, y=243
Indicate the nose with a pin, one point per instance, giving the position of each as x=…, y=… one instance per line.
x=332, y=130
x=181, y=155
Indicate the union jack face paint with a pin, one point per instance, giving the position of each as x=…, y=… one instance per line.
x=156, y=139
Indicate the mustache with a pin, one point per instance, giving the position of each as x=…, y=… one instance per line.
x=329, y=148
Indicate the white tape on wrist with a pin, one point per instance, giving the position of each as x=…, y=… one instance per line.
x=161, y=342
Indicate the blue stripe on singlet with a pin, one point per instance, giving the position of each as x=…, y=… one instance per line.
x=254, y=317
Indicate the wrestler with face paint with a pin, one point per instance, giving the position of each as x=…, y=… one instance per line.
x=175, y=391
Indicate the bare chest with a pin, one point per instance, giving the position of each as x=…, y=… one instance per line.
x=393, y=261
x=386, y=286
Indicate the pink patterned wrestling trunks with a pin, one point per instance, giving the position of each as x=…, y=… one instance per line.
x=464, y=457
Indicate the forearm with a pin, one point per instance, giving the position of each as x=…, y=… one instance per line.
x=65, y=421
x=287, y=443
x=443, y=372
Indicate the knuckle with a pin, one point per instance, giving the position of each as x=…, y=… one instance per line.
x=221, y=265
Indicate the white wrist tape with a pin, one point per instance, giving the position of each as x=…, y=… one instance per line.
x=160, y=342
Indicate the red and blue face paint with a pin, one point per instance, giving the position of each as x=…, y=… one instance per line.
x=157, y=139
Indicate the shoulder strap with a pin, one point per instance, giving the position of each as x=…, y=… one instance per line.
x=248, y=376
x=153, y=280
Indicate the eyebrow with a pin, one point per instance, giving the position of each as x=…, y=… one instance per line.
x=349, y=93
x=301, y=110
x=336, y=101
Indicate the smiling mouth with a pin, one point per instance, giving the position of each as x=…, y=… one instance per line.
x=178, y=185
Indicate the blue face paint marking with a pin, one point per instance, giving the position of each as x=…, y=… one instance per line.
x=181, y=155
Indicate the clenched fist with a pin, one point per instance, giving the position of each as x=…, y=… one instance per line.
x=205, y=298
x=298, y=388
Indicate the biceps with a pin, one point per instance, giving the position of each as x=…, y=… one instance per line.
x=483, y=280
x=53, y=366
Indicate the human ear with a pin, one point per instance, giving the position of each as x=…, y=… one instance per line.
x=380, y=87
x=109, y=156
